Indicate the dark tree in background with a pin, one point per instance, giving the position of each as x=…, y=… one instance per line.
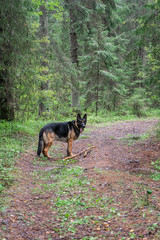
x=74, y=51
x=74, y=10
x=8, y=14
x=14, y=46
x=43, y=36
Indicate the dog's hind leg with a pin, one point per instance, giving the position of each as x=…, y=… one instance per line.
x=45, y=151
x=48, y=140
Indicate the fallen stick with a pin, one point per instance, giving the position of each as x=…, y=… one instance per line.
x=86, y=152
x=75, y=155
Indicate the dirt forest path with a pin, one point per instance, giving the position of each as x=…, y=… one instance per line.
x=111, y=197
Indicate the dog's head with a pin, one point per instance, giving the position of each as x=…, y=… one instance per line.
x=81, y=122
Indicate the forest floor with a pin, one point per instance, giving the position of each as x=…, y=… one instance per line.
x=109, y=194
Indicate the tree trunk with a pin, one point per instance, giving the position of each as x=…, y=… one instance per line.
x=6, y=97
x=74, y=97
x=73, y=39
x=43, y=35
x=97, y=89
x=98, y=76
x=74, y=58
x=6, y=94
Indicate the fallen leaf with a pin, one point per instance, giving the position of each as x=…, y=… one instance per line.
x=98, y=229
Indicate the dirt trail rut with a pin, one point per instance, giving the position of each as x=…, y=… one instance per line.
x=117, y=147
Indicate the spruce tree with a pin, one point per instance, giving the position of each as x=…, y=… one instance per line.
x=14, y=41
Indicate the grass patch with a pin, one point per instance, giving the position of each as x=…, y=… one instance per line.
x=105, y=118
x=74, y=195
x=14, y=137
x=131, y=139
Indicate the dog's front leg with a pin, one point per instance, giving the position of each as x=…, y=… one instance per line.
x=69, y=148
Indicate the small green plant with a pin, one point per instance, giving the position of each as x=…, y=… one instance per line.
x=141, y=196
x=1, y=187
x=153, y=227
x=132, y=235
x=158, y=131
x=156, y=165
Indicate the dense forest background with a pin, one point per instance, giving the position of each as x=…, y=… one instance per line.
x=64, y=56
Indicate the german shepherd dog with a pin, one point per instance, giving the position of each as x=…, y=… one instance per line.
x=63, y=131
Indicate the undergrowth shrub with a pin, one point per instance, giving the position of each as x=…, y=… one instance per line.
x=139, y=102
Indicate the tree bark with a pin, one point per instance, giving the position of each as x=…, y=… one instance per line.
x=43, y=35
x=6, y=97
x=73, y=38
x=7, y=111
x=74, y=57
x=98, y=77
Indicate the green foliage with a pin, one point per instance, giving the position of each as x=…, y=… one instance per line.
x=138, y=102
x=19, y=65
x=118, y=57
x=9, y=149
x=149, y=28
x=104, y=83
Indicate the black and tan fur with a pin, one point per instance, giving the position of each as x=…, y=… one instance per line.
x=63, y=131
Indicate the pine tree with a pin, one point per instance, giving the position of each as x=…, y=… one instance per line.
x=13, y=42
x=99, y=59
x=149, y=31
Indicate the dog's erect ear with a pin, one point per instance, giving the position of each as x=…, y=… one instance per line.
x=78, y=116
x=85, y=117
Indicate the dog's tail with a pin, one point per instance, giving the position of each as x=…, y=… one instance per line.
x=40, y=144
